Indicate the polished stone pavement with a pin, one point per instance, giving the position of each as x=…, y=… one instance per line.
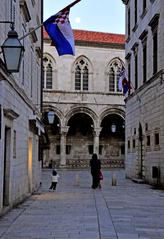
x=75, y=211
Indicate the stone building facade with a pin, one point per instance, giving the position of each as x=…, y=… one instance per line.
x=145, y=102
x=20, y=95
x=82, y=92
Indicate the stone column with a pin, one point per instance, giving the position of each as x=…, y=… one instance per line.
x=63, y=134
x=96, y=140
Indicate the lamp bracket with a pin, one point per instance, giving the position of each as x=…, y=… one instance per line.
x=11, y=24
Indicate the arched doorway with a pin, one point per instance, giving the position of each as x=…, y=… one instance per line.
x=112, y=141
x=79, y=146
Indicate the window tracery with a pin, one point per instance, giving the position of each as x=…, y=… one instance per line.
x=114, y=67
x=82, y=75
x=48, y=72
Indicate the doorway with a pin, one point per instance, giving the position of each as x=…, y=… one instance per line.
x=140, y=133
x=6, y=175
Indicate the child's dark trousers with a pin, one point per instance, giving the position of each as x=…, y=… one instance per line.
x=53, y=185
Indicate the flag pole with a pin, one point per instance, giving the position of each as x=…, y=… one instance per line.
x=36, y=28
x=131, y=85
x=30, y=32
x=70, y=5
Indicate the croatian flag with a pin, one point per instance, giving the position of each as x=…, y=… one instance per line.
x=59, y=30
x=123, y=83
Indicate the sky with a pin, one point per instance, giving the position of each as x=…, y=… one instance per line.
x=92, y=15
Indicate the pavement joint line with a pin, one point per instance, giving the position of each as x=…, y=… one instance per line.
x=98, y=220
x=1, y=236
x=109, y=214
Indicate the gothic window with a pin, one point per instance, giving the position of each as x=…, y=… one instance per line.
x=49, y=76
x=48, y=73
x=85, y=78
x=111, y=80
x=81, y=75
x=77, y=78
x=114, y=75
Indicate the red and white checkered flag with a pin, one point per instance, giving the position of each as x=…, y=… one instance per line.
x=62, y=17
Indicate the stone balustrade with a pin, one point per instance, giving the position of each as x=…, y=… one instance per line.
x=79, y=163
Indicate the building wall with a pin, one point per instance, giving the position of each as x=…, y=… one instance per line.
x=145, y=105
x=20, y=103
x=65, y=101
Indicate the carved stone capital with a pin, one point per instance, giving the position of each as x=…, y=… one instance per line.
x=64, y=130
x=97, y=131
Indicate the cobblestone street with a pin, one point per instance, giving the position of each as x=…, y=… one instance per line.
x=74, y=210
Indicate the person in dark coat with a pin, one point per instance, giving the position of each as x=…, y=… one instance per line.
x=95, y=165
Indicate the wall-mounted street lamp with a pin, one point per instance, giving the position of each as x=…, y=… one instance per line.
x=51, y=117
x=113, y=128
x=12, y=50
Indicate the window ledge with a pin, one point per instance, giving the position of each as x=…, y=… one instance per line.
x=127, y=39
x=11, y=114
x=33, y=35
x=135, y=27
x=144, y=13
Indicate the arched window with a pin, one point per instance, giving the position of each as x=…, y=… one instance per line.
x=114, y=67
x=49, y=76
x=48, y=72
x=81, y=75
x=112, y=80
x=85, y=78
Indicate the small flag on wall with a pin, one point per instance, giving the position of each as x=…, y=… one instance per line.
x=123, y=83
x=59, y=30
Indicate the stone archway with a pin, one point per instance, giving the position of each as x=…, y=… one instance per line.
x=112, y=140
x=80, y=140
x=84, y=110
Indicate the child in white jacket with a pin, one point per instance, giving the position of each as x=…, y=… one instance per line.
x=54, y=180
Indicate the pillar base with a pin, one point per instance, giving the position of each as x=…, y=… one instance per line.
x=62, y=166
